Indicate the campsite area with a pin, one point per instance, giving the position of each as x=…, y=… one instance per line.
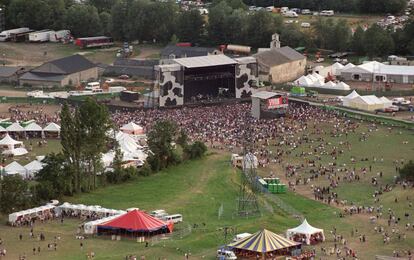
x=205, y=193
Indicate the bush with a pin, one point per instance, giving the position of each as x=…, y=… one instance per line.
x=195, y=150
x=407, y=172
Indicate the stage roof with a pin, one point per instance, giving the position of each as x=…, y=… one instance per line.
x=264, y=94
x=205, y=61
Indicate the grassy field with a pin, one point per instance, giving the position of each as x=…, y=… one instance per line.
x=53, y=145
x=198, y=189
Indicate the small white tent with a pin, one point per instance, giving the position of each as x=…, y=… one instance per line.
x=386, y=102
x=336, y=68
x=9, y=142
x=305, y=229
x=15, y=127
x=349, y=97
x=52, y=127
x=303, y=82
x=2, y=129
x=342, y=86
x=15, y=168
x=318, y=84
x=132, y=128
x=330, y=85
x=33, y=127
x=33, y=167
x=318, y=77
x=348, y=66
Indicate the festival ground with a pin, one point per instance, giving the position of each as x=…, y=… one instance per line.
x=198, y=189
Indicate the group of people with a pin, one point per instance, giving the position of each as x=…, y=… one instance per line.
x=24, y=113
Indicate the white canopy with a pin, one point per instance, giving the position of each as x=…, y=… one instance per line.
x=342, y=86
x=91, y=227
x=348, y=66
x=33, y=127
x=15, y=127
x=37, y=211
x=2, y=129
x=318, y=84
x=304, y=81
x=10, y=142
x=329, y=84
x=336, y=68
x=312, y=78
x=16, y=151
x=305, y=229
x=33, y=167
x=132, y=128
x=52, y=127
x=318, y=76
x=15, y=168
x=386, y=102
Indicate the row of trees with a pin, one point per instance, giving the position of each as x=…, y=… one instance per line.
x=346, y=6
x=337, y=35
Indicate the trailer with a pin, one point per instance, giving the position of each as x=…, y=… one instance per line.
x=20, y=37
x=40, y=36
x=93, y=42
x=5, y=35
x=59, y=36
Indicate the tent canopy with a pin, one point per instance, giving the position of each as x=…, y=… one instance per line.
x=136, y=221
x=52, y=127
x=15, y=127
x=15, y=168
x=7, y=140
x=305, y=229
x=16, y=151
x=34, y=166
x=33, y=127
x=263, y=241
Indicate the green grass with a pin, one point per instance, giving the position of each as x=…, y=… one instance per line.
x=198, y=188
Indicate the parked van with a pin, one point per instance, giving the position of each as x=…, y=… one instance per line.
x=305, y=25
x=270, y=8
x=291, y=14
x=159, y=213
x=241, y=236
x=93, y=86
x=327, y=13
x=306, y=11
x=226, y=255
x=176, y=218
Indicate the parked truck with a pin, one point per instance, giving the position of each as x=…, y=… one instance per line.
x=6, y=35
x=40, y=36
x=93, y=42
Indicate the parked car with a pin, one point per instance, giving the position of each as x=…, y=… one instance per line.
x=226, y=255
x=305, y=25
x=109, y=80
x=306, y=11
x=123, y=77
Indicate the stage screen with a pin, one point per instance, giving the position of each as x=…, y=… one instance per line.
x=277, y=102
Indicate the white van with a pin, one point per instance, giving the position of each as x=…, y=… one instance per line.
x=176, y=218
x=93, y=86
x=305, y=25
x=291, y=14
x=226, y=255
x=284, y=9
x=270, y=8
x=159, y=213
x=327, y=13
x=241, y=236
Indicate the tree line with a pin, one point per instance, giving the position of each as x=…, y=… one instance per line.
x=78, y=167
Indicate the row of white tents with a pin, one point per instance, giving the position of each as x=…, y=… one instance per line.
x=34, y=212
x=369, y=103
x=32, y=127
x=315, y=80
x=332, y=70
x=27, y=171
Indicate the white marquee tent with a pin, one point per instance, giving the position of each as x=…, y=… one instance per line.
x=342, y=86
x=349, y=97
x=52, y=127
x=15, y=127
x=33, y=127
x=330, y=85
x=91, y=227
x=304, y=81
x=2, y=129
x=9, y=142
x=386, y=102
x=15, y=168
x=306, y=230
x=30, y=212
x=33, y=167
x=336, y=68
